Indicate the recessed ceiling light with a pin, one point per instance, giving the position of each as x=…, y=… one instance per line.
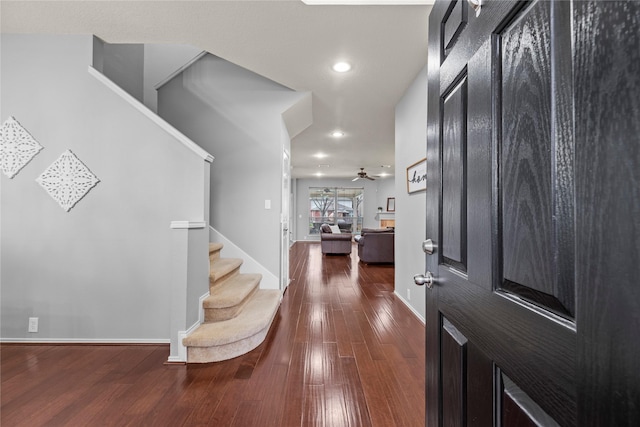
x=337, y=134
x=319, y=174
x=341, y=67
x=320, y=155
x=323, y=166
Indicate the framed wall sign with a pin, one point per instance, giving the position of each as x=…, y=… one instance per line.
x=417, y=176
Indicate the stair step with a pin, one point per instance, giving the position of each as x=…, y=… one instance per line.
x=226, y=300
x=219, y=268
x=212, y=342
x=214, y=250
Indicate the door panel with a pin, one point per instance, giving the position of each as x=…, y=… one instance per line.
x=454, y=201
x=529, y=168
x=526, y=146
x=491, y=176
x=467, y=375
x=453, y=23
x=454, y=375
x=518, y=409
x=532, y=202
x=480, y=373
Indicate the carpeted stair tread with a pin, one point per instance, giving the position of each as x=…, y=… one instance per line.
x=214, y=247
x=220, y=267
x=254, y=318
x=233, y=291
x=214, y=250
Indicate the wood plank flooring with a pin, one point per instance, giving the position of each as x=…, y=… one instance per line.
x=343, y=351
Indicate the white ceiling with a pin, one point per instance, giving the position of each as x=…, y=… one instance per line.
x=288, y=41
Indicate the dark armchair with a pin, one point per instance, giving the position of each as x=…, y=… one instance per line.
x=376, y=246
x=334, y=242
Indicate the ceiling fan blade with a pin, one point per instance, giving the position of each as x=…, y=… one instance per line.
x=356, y=178
x=368, y=177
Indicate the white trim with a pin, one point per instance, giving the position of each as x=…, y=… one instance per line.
x=410, y=307
x=188, y=224
x=182, y=350
x=180, y=70
x=151, y=115
x=201, y=306
x=385, y=215
x=96, y=341
x=231, y=250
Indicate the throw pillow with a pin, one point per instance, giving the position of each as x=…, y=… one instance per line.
x=335, y=229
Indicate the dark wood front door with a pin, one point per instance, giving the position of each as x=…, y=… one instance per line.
x=533, y=201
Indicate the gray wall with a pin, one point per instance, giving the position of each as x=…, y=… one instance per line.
x=236, y=115
x=139, y=68
x=386, y=189
x=160, y=62
x=101, y=271
x=411, y=137
x=123, y=64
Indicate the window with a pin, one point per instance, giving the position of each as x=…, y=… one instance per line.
x=337, y=206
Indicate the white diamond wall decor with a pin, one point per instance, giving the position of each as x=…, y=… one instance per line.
x=17, y=147
x=67, y=180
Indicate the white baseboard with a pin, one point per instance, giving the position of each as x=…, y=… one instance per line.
x=413, y=310
x=201, y=308
x=182, y=350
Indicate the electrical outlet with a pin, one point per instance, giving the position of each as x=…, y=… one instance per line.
x=33, y=324
x=408, y=294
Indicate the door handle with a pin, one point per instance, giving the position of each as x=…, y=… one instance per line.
x=428, y=247
x=424, y=279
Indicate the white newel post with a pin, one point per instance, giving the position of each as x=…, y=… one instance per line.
x=189, y=279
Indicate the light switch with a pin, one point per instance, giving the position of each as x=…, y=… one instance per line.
x=267, y=204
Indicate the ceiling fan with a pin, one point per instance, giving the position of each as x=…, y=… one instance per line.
x=362, y=175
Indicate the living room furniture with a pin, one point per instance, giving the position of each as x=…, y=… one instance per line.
x=333, y=241
x=376, y=246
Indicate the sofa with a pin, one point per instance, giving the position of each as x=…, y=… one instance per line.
x=333, y=241
x=376, y=246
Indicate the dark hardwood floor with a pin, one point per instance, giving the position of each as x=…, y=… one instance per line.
x=343, y=351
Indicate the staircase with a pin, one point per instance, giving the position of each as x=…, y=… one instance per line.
x=237, y=314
